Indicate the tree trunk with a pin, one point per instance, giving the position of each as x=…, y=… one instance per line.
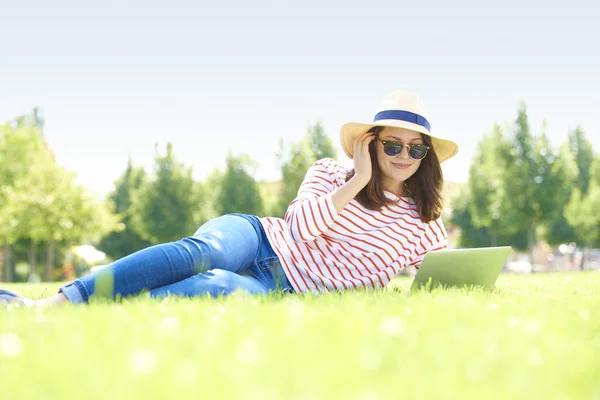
x=494, y=239
x=49, y=261
x=8, y=269
x=32, y=261
x=531, y=245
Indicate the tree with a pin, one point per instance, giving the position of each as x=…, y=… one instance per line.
x=582, y=157
x=166, y=208
x=489, y=205
x=554, y=186
x=552, y=190
x=211, y=187
x=320, y=144
x=125, y=241
x=39, y=200
x=238, y=191
x=480, y=236
x=583, y=210
x=521, y=177
x=55, y=210
x=470, y=235
x=579, y=213
x=514, y=189
x=21, y=146
x=295, y=162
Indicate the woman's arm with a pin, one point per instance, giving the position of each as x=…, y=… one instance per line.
x=313, y=211
x=434, y=238
x=362, y=173
x=319, y=199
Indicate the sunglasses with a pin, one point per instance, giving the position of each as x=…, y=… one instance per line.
x=415, y=151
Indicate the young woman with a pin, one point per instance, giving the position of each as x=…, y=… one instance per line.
x=345, y=230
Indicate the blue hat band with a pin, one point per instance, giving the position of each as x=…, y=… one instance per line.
x=401, y=115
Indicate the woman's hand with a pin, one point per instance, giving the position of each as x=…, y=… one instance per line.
x=362, y=173
x=362, y=158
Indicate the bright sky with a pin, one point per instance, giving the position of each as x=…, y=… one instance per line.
x=115, y=77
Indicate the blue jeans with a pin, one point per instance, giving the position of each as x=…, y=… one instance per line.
x=226, y=254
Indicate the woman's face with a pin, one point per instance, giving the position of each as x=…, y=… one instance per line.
x=397, y=169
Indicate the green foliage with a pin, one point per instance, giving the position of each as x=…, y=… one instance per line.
x=125, y=241
x=520, y=177
x=212, y=193
x=553, y=189
x=582, y=209
x=489, y=203
x=295, y=162
x=470, y=235
x=582, y=157
x=165, y=208
x=532, y=338
x=519, y=186
x=238, y=191
x=54, y=208
x=39, y=200
x=16, y=149
x=320, y=144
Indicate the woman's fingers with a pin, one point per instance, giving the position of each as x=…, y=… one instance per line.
x=362, y=142
x=366, y=140
x=358, y=144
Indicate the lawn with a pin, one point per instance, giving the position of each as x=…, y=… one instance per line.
x=535, y=337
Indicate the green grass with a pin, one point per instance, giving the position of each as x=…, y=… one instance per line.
x=535, y=337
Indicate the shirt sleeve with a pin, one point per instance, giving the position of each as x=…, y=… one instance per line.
x=434, y=238
x=312, y=212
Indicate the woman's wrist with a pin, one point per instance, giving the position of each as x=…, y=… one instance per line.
x=344, y=194
x=360, y=180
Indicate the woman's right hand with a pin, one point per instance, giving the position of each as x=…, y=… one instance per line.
x=362, y=158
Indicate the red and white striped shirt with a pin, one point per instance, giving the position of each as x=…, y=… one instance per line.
x=322, y=250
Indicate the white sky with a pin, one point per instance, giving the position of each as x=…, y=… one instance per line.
x=115, y=77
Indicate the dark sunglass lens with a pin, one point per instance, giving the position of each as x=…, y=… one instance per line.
x=418, y=152
x=392, y=150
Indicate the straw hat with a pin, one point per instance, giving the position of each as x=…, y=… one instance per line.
x=399, y=110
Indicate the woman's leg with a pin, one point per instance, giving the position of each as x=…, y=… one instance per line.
x=228, y=243
x=215, y=282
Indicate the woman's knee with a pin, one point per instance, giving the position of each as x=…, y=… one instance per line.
x=230, y=242
x=196, y=250
x=222, y=282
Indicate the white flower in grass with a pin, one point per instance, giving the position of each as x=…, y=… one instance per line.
x=170, y=323
x=186, y=372
x=143, y=361
x=296, y=310
x=247, y=352
x=513, y=321
x=370, y=395
x=534, y=357
x=370, y=360
x=392, y=326
x=475, y=370
x=11, y=345
x=260, y=392
x=533, y=327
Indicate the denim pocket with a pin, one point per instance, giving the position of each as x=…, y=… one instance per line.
x=268, y=264
x=272, y=271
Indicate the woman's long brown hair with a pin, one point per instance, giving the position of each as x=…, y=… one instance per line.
x=424, y=186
